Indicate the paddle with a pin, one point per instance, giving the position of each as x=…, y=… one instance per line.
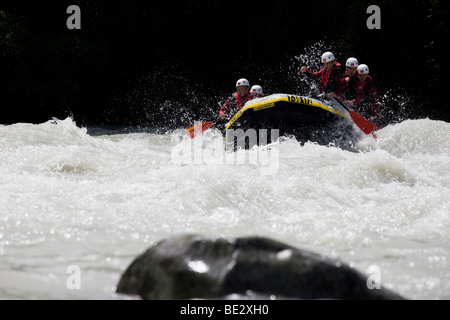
x=365, y=125
x=358, y=119
x=198, y=128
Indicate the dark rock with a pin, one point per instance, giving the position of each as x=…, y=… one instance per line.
x=197, y=267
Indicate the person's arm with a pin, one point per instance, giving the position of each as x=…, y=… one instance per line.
x=359, y=95
x=225, y=109
x=341, y=84
x=316, y=75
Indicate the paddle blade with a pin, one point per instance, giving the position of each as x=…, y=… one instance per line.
x=198, y=128
x=361, y=122
x=365, y=125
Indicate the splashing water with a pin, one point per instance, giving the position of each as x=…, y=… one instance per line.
x=95, y=198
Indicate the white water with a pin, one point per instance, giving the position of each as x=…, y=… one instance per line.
x=69, y=197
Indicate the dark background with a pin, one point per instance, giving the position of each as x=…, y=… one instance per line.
x=168, y=63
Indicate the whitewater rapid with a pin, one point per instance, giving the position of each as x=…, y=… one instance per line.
x=95, y=198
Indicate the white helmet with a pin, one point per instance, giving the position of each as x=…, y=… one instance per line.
x=363, y=69
x=327, y=57
x=256, y=89
x=351, y=62
x=242, y=82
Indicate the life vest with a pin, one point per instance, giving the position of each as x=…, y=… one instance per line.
x=238, y=100
x=325, y=76
x=332, y=80
x=366, y=97
x=235, y=101
x=365, y=90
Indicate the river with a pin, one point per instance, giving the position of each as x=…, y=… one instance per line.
x=92, y=199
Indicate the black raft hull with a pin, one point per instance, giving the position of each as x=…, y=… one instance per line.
x=265, y=119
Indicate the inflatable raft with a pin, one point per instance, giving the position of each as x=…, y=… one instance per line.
x=263, y=120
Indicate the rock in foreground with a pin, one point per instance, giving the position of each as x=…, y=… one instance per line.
x=197, y=267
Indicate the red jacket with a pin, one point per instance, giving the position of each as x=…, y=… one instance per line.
x=332, y=80
x=235, y=102
x=366, y=97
